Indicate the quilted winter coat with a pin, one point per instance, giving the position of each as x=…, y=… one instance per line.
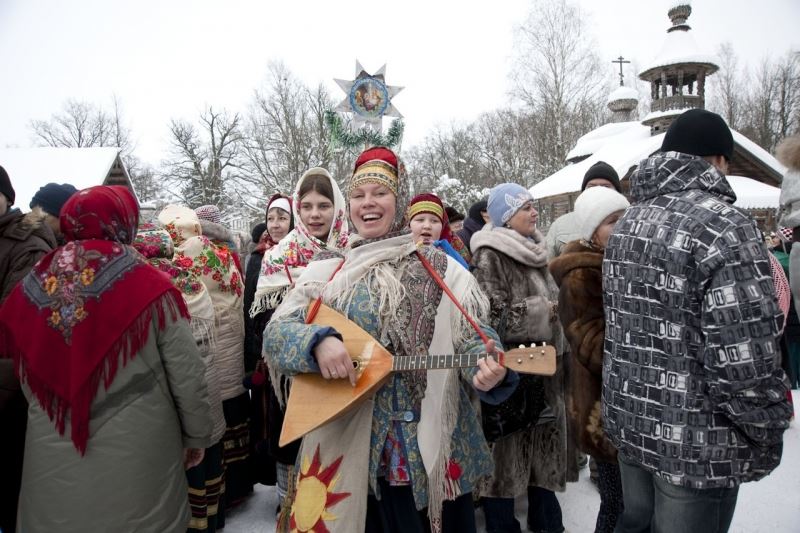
x=132, y=476
x=693, y=391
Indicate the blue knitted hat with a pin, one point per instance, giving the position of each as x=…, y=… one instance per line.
x=504, y=202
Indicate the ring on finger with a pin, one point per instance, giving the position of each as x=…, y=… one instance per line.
x=334, y=375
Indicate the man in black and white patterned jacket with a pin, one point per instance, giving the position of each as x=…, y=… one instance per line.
x=694, y=396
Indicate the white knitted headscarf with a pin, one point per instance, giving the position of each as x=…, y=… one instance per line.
x=594, y=205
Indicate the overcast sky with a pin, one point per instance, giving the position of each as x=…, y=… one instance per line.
x=169, y=58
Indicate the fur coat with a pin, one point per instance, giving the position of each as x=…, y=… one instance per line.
x=578, y=272
x=24, y=239
x=789, y=155
x=512, y=271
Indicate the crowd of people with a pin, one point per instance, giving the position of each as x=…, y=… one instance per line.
x=146, y=365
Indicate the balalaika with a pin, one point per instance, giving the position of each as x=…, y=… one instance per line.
x=314, y=400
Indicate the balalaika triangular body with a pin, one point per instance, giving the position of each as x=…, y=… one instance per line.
x=314, y=400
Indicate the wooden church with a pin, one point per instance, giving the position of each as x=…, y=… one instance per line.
x=677, y=78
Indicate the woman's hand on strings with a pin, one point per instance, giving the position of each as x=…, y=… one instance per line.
x=334, y=361
x=490, y=372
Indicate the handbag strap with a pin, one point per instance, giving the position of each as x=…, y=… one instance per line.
x=440, y=282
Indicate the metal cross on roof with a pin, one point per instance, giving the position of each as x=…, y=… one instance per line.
x=621, y=60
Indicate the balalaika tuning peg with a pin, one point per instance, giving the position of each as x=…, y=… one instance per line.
x=521, y=346
x=533, y=345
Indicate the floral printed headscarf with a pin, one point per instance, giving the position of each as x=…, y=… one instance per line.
x=212, y=264
x=284, y=262
x=106, y=212
x=85, y=308
x=155, y=244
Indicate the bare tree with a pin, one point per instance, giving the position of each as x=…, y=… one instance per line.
x=460, y=162
x=204, y=157
x=787, y=104
x=559, y=77
x=145, y=180
x=285, y=134
x=758, y=123
x=83, y=124
x=729, y=87
x=764, y=106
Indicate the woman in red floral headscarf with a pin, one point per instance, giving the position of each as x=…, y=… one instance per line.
x=109, y=365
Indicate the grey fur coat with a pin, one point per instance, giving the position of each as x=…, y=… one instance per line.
x=512, y=271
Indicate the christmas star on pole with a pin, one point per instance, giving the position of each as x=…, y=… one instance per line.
x=368, y=98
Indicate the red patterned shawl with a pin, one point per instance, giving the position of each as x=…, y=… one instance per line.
x=84, y=308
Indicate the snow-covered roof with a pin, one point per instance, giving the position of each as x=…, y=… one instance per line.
x=679, y=47
x=753, y=194
x=630, y=145
x=623, y=145
x=623, y=93
x=757, y=152
x=31, y=168
x=652, y=115
x=599, y=137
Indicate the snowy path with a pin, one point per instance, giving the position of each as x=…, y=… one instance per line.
x=771, y=505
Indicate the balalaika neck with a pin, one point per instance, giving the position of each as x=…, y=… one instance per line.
x=433, y=362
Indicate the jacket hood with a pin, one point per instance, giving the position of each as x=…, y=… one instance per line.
x=218, y=232
x=527, y=251
x=573, y=256
x=469, y=229
x=9, y=218
x=15, y=225
x=672, y=172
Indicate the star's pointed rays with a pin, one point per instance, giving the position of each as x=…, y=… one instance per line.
x=360, y=118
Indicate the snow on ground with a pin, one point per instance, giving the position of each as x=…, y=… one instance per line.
x=771, y=505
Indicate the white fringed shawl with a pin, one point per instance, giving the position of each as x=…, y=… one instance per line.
x=378, y=264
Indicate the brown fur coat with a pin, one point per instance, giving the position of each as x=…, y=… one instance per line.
x=578, y=272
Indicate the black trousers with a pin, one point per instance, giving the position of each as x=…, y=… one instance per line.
x=13, y=420
x=609, y=483
x=396, y=512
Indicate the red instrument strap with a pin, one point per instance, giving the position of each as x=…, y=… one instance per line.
x=439, y=281
x=288, y=274
x=318, y=302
